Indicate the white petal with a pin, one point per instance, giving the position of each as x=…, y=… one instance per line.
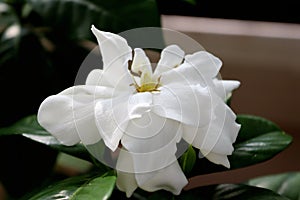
x=170, y=58
x=150, y=140
x=219, y=159
x=112, y=47
x=126, y=182
x=187, y=104
x=198, y=68
x=192, y=73
x=111, y=120
x=207, y=64
x=112, y=115
x=218, y=136
x=98, y=77
x=56, y=116
x=69, y=114
x=185, y=74
x=170, y=178
x=94, y=77
x=104, y=155
x=224, y=87
x=141, y=62
x=115, y=54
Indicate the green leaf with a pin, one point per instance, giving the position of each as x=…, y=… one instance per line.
x=245, y=192
x=259, y=149
x=230, y=192
x=81, y=187
x=77, y=150
x=27, y=125
x=188, y=159
x=75, y=17
x=30, y=128
x=286, y=184
x=253, y=126
x=258, y=140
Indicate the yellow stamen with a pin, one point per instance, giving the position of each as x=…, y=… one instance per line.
x=147, y=87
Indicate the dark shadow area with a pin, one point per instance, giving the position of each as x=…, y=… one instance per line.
x=275, y=11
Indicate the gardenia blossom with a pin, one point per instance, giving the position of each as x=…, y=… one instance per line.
x=146, y=112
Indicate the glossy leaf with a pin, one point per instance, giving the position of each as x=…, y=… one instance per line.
x=80, y=187
x=258, y=140
x=77, y=150
x=259, y=149
x=30, y=128
x=253, y=126
x=75, y=17
x=27, y=125
x=188, y=159
x=230, y=192
x=286, y=184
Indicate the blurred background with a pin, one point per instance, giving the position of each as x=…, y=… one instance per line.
x=43, y=43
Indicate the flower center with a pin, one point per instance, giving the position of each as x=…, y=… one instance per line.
x=147, y=87
x=147, y=83
x=142, y=72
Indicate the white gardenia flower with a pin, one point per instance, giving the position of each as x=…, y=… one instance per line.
x=146, y=113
